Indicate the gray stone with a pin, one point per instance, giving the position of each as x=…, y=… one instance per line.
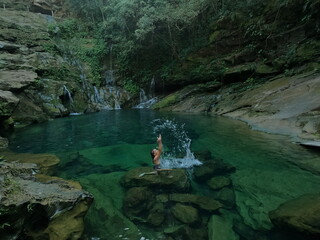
x=16, y=80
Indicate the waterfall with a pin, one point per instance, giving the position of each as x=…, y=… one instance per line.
x=143, y=97
x=146, y=101
x=178, y=143
x=111, y=47
x=109, y=78
x=96, y=95
x=116, y=100
x=152, y=87
x=67, y=93
x=105, y=97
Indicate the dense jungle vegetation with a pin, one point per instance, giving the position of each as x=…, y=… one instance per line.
x=184, y=42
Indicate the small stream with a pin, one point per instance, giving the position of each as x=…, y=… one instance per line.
x=98, y=149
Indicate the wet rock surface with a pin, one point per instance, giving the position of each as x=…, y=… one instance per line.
x=300, y=214
x=175, y=180
x=166, y=200
x=37, y=206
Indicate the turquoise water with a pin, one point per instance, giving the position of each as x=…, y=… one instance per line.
x=97, y=149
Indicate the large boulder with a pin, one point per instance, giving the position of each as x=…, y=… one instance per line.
x=39, y=207
x=175, y=180
x=138, y=200
x=301, y=214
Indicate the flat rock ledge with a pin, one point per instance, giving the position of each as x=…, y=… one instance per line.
x=175, y=180
x=301, y=214
x=35, y=206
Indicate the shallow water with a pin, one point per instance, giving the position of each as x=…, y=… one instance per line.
x=97, y=149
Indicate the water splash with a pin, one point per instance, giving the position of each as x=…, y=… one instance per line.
x=175, y=138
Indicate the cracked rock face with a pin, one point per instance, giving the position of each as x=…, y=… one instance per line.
x=39, y=206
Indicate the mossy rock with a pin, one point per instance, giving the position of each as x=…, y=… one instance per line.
x=201, y=202
x=166, y=102
x=219, y=182
x=185, y=214
x=263, y=69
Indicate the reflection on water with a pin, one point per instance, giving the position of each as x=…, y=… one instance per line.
x=97, y=150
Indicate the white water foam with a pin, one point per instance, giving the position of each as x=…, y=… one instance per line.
x=175, y=137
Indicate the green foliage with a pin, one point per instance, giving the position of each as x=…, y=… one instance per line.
x=166, y=102
x=66, y=29
x=131, y=87
x=77, y=41
x=61, y=72
x=156, y=37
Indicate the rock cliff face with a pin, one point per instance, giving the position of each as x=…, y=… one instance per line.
x=285, y=105
x=36, y=83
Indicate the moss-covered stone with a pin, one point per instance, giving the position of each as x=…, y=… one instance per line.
x=185, y=214
x=166, y=102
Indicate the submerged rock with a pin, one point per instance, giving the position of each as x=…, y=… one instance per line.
x=44, y=162
x=202, y=202
x=105, y=217
x=157, y=215
x=226, y=196
x=186, y=233
x=175, y=180
x=137, y=200
x=218, y=182
x=301, y=214
x=185, y=214
x=212, y=168
x=221, y=228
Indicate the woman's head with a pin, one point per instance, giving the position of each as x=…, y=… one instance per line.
x=152, y=153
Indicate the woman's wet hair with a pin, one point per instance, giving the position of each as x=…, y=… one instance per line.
x=152, y=154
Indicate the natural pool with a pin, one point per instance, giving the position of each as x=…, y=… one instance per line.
x=98, y=149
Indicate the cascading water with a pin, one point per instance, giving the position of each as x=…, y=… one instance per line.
x=175, y=138
x=147, y=100
x=105, y=97
x=152, y=87
x=67, y=93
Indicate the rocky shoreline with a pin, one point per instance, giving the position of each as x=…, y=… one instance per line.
x=283, y=105
x=38, y=206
